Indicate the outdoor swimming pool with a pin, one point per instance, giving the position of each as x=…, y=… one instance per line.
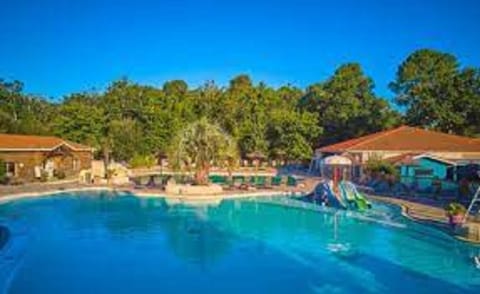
x=102, y=243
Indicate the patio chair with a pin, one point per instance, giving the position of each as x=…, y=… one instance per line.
x=291, y=181
x=268, y=183
x=229, y=183
x=140, y=182
x=260, y=182
x=276, y=181
x=240, y=179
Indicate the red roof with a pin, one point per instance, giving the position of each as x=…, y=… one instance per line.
x=406, y=158
x=409, y=139
x=12, y=142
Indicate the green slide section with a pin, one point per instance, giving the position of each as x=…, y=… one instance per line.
x=350, y=193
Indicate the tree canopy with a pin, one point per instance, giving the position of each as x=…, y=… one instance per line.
x=131, y=121
x=347, y=105
x=199, y=145
x=438, y=94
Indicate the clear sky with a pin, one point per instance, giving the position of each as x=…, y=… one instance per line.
x=59, y=47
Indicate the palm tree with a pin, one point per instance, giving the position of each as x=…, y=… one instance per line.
x=198, y=146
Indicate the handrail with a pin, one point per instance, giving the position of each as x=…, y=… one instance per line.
x=474, y=199
x=470, y=207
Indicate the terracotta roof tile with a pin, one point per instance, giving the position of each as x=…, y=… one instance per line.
x=407, y=138
x=13, y=142
x=406, y=158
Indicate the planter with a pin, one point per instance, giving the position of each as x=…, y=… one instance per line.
x=455, y=219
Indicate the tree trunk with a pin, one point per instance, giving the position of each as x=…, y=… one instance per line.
x=201, y=175
x=106, y=160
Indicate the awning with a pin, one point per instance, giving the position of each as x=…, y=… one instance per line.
x=336, y=160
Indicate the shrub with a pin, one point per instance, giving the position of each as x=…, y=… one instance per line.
x=378, y=167
x=44, y=176
x=455, y=208
x=3, y=172
x=14, y=181
x=110, y=173
x=60, y=174
x=139, y=160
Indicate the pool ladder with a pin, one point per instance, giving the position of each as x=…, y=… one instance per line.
x=472, y=204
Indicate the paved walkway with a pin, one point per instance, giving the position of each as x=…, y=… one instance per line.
x=304, y=187
x=433, y=215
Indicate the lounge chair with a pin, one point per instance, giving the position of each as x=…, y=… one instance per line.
x=268, y=183
x=260, y=182
x=291, y=181
x=229, y=183
x=239, y=179
x=217, y=179
x=276, y=181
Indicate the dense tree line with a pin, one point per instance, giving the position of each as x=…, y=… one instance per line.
x=129, y=119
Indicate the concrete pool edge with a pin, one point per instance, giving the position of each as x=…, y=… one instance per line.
x=408, y=211
x=146, y=194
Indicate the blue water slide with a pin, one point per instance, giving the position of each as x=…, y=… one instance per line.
x=334, y=199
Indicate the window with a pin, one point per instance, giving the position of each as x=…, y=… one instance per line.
x=10, y=167
x=423, y=172
x=76, y=164
x=450, y=173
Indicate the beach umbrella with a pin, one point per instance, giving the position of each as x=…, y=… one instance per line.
x=337, y=160
x=280, y=154
x=256, y=155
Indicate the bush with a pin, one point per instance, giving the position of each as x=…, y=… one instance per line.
x=110, y=173
x=3, y=172
x=378, y=167
x=14, y=181
x=44, y=176
x=455, y=208
x=60, y=174
x=139, y=160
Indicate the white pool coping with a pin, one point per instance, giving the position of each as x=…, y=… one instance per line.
x=150, y=194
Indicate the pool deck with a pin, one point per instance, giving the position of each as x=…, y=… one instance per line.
x=434, y=216
x=8, y=193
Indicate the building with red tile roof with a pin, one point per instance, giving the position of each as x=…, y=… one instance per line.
x=27, y=157
x=404, y=145
x=409, y=139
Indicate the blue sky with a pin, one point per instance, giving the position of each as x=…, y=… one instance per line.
x=59, y=47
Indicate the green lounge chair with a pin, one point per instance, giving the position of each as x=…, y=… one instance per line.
x=291, y=181
x=276, y=181
x=217, y=179
x=240, y=179
x=260, y=182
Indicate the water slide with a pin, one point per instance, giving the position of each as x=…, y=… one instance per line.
x=346, y=196
x=334, y=199
x=350, y=193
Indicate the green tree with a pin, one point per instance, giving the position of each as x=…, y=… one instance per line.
x=80, y=119
x=347, y=105
x=21, y=113
x=199, y=145
x=437, y=94
x=291, y=133
x=127, y=139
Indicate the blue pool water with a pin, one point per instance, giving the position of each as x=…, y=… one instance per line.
x=106, y=243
